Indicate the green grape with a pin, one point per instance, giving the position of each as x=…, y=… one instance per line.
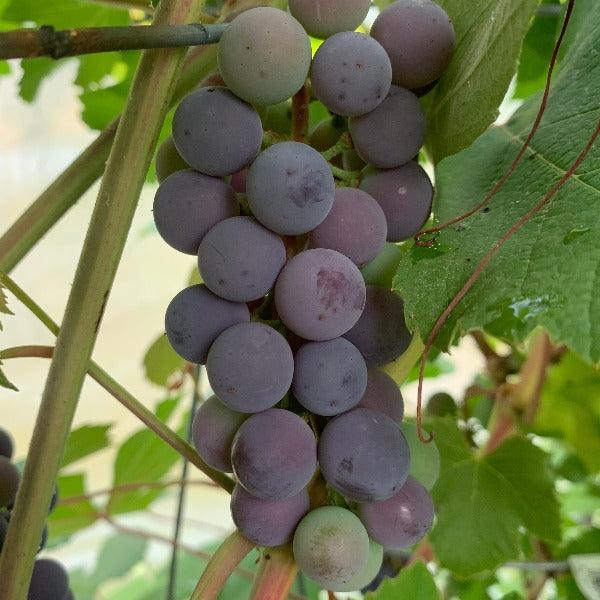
x=366, y=575
x=168, y=160
x=277, y=117
x=424, y=458
x=381, y=270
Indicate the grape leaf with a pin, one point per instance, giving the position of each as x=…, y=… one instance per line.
x=488, y=42
x=5, y=382
x=85, y=440
x=414, y=581
x=546, y=274
x=161, y=361
x=68, y=518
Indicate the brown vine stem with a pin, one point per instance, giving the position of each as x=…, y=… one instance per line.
x=536, y=124
x=300, y=103
x=497, y=246
x=275, y=576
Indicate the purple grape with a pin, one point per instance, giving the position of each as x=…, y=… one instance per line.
x=267, y=522
x=168, y=160
x=239, y=259
x=363, y=455
x=383, y=395
x=403, y=519
x=49, y=580
x=212, y=433
x=419, y=37
x=9, y=482
x=290, y=188
x=274, y=454
x=215, y=132
x=351, y=74
x=6, y=444
x=320, y=294
x=187, y=205
x=329, y=377
x=322, y=18
x=381, y=334
x=196, y=317
x=250, y=367
x=393, y=133
x=405, y=195
x=356, y=227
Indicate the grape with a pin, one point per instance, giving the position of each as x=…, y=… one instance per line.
x=49, y=580
x=405, y=194
x=363, y=455
x=322, y=18
x=356, y=226
x=419, y=37
x=383, y=395
x=331, y=546
x=351, y=74
x=368, y=573
x=187, y=205
x=290, y=188
x=240, y=260
x=9, y=482
x=277, y=117
x=320, y=294
x=212, y=433
x=382, y=269
x=393, y=133
x=238, y=181
x=168, y=160
x=401, y=520
x=381, y=334
x=264, y=55
x=274, y=454
x=267, y=522
x=329, y=377
x=4, y=518
x=326, y=134
x=424, y=458
x=440, y=405
x=351, y=161
x=250, y=367
x=194, y=319
x=215, y=132
x=6, y=444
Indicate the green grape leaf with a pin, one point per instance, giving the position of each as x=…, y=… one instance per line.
x=414, y=582
x=488, y=42
x=4, y=67
x=481, y=502
x=161, y=362
x=70, y=517
x=5, y=382
x=3, y=303
x=85, y=440
x=546, y=274
x=35, y=71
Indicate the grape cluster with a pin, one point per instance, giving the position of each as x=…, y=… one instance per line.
x=49, y=580
x=292, y=332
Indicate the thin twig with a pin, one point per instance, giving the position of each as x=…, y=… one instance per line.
x=300, y=103
x=556, y=566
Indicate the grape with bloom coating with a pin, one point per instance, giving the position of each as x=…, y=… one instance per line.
x=322, y=18
x=250, y=367
x=368, y=573
x=6, y=444
x=290, y=188
x=49, y=581
x=320, y=294
x=9, y=482
x=194, y=319
x=351, y=74
x=363, y=455
x=168, y=160
x=403, y=519
x=215, y=132
x=274, y=454
x=264, y=55
x=331, y=546
x=383, y=394
x=187, y=205
x=213, y=429
x=267, y=522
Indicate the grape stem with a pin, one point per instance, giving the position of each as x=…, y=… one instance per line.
x=343, y=144
x=350, y=177
x=275, y=576
x=300, y=103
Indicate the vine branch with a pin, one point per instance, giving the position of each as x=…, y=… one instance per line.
x=275, y=575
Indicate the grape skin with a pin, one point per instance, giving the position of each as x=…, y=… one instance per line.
x=329, y=377
x=419, y=37
x=215, y=132
x=239, y=259
x=382, y=269
x=328, y=133
x=6, y=444
x=383, y=395
x=9, y=482
x=363, y=455
x=331, y=546
x=403, y=519
x=264, y=55
x=274, y=454
x=49, y=581
x=355, y=227
x=187, y=205
x=194, y=319
x=405, y=195
x=368, y=573
x=320, y=294
x=351, y=74
x=381, y=334
x=290, y=188
x=250, y=367
x=267, y=522
x=213, y=429
x=168, y=160
x=323, y=18
x=393, y=133
x=424, y=458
